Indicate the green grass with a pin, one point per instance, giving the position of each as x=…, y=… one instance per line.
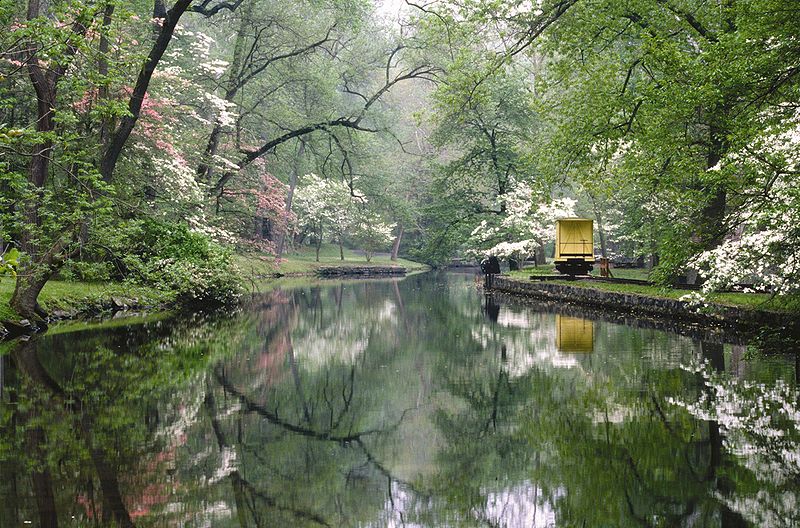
x=623, y=273
x=542, y=269
x=303, y=262
x=753, y=301
x=76, y=296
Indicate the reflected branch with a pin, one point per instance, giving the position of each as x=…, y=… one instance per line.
x=241, y=485
x=250, y=406
x=347, y=397
x=496, y=401
x=297, y=383
x=388, y=474
x=269, y=501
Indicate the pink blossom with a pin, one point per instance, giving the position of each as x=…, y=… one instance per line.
x=85, y=102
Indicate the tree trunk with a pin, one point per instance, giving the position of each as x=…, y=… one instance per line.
x=710, y=229
x=258, y=227
x=30, y=282
x=289, y=196
x=713, y=215
x=319, y=242
x=397, y=239
x=42, y=152
x=44, y=84
x=539, y=257
x=601, y=232
x=206, y=170
x=117, y=141
x=341, y=249
x=33, y=275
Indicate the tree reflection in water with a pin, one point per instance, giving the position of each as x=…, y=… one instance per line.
x=395, y=403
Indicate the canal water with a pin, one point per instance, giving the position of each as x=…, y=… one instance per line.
x=415, y=402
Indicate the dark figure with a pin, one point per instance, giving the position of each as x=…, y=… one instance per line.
x=492, y=308
x=490, y=267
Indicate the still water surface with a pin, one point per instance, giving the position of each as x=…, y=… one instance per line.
x=418, y=402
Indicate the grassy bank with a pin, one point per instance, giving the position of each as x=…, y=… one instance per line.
x=303, y=262
x=67, y=298
x=755, y=301
x=74, y=297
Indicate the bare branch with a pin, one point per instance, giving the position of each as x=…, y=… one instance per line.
x=204, y=9
x=691, y=20
x=425, y=72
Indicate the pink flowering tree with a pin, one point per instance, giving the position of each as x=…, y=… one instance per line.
x=264, y=217
x=75, y=58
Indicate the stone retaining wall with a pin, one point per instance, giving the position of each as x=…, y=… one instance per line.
x=640, y=304
x=360, y=271
x=710, y=333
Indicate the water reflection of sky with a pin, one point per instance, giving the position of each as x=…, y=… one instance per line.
x=519, y=505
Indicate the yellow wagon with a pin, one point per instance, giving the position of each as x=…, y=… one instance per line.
x=574, y=246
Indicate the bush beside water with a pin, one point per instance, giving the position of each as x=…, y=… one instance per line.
x=162, y=255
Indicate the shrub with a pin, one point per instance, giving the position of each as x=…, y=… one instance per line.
x=77, y=270
x=170, y=257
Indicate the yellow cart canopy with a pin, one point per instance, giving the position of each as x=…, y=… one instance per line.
x=574, y=239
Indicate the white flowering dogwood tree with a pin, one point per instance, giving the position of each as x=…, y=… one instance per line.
x=528, y=224
x=764, y=250
x=323, y=207
x=330, y=207
x=371, y=233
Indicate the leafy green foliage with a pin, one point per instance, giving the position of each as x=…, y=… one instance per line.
x=170, y=257
x=676, y=119
x=8, y=262
x=651, y=103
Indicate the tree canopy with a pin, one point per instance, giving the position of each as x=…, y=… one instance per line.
x=673, y=123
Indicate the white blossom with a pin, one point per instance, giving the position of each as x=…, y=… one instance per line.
x=528, y=223
x=765, y=250
x=224, y=111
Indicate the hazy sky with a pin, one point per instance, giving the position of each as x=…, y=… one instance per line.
x=391, y=8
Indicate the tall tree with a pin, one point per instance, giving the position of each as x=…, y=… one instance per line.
x=60, y=44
